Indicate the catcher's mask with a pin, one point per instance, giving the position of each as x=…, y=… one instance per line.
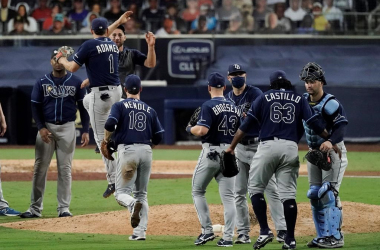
x=312, y=72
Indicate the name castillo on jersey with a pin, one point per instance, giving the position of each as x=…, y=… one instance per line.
x=58, y=91
x=138, y=106
x=107, y=48
x=282, y=96
x=225, y=107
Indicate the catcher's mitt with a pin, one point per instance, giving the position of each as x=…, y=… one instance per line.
x=320, y=159
x=195, y=117
x=228, y=164
x=107, y=149
x=64, y=51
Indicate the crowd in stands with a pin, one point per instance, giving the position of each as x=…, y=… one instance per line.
x=164, y=17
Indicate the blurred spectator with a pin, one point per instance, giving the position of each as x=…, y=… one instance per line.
x=248, y=23
x=114, y=12
x=131, y=27
x=31, y=3
x=152, y=17
x=96, y=8
x=344, y=5
x=136, y=11
x=102, y=3
x=320, y=22
x=283, y=22
x=78, y=13
x=191, y=12
x=167, y=29
x=307, y=5
x=87, y=29
x=7, y=13
x=201, y=26
x=211, y=21
x=235, y=25
x=207, y=2
x=333, y=14
x=239, y=3
x=226, y=11
x=172, y=14
x=30, y=24
x=273, y=2
x=272, y=26
x=259, y=14
x=18, y=27
x=294, y=12
x=306, y=26
x=65, y=4
x=42, y=11
x=48, y=23
x=58, y=26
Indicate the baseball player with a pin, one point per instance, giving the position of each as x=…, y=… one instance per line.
x=324, y=185
x=100, y=55
x=216, y=126
x=280, y=112
x=5, y=210
x=242, y=95
x=54, y=105
x=137, y=131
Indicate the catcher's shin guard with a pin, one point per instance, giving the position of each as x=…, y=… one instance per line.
x=317, y=210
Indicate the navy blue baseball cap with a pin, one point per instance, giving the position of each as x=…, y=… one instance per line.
x=278, y=74
x=234, y=68
x=216, y=80
x=132, y=82
x=99, y=23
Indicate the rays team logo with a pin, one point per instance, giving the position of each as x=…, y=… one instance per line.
x=245, y=107
x=58, y=91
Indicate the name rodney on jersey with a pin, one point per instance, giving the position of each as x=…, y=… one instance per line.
x=58, y=91
x=282, y=96
x=225, y=107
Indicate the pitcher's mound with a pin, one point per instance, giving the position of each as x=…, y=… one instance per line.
x=183, y=220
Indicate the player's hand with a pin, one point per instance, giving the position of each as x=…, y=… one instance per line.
x=85, y=139
x=3, y=126
x=338, y=151
x=125, y=17
x=85, y=84
x=150, y=38
x=326, y=146
x=230, y=151
x=45, y=135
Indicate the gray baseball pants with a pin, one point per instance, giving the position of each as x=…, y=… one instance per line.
x=134, y=164
x=204, y=172
x=245, y=155
x=63, y=143
x=3, y=202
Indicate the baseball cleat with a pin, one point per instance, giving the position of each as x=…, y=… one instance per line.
x=65, y=214
x=289, y=244
x=135, y=237
x=9, y=212
x=110, y=190
x=242, y=239
x=204, y=238
x=281, y=235
x=330, y=242
x=28, y=214
x=263, y=240
x=135, y=214
x=224, y=243
x=97, y=151
x=312, y=243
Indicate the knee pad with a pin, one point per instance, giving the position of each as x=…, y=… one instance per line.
x=312, y=193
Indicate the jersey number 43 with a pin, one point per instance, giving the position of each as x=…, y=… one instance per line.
x=227, y=125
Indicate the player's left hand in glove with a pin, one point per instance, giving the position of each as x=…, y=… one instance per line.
x=195, y=117
x=107, y=149
x=228, y=164
x=64, y=51
x=320, y=159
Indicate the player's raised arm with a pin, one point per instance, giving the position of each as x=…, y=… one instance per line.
x=150, y=61
x=3, y=124
x=122, y=20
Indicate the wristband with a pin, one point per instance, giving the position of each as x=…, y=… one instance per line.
x=188, y=129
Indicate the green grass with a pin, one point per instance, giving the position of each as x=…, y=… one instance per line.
x=357, y=161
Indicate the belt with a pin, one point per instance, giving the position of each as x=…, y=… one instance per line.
x=103, y=88
x=271, y=138
x=215, y=144
x=59, y=122
x=250, y=141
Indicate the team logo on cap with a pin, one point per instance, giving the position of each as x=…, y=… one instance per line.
x=236, y=66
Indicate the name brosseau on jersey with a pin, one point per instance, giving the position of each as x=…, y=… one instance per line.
x=225, y=107
x=138, y=106
x=107, y=48
x=283, y=96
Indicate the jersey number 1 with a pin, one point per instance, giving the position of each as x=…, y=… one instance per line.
x=110, y=58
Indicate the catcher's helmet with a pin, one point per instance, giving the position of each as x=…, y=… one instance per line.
x=311, y=72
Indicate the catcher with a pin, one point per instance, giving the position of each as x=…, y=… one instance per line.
x=327, y=160
x=215, y=122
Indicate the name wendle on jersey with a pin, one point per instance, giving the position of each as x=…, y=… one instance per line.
x=58, y=91
x=138, y=106
x=282, y=96
x=107, y=48
x=225, y=107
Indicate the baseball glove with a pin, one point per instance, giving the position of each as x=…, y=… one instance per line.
x=228, y=164
x=320, y=159
x=107, y=149
x=195, y=117
x=64, y=51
